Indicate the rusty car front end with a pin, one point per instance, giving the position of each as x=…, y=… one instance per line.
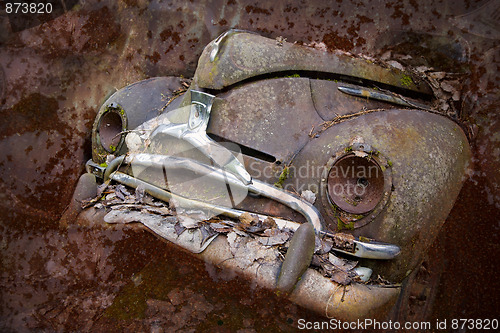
x=349, y=145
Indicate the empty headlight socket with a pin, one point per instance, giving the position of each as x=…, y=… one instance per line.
x=357, y=185
x=109, y=132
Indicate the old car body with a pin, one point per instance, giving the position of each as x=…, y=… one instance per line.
x=385, y=166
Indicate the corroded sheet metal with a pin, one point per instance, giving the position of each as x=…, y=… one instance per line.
x=270, y=116
x=242, y=55
x=135, y=104
x=428, y=155
x=313, y=291
x=249, y=258
x=330, y=104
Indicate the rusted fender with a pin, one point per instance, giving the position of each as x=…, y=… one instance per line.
x=428, y=155
x=125, y=110
x=313, y=291
x=242, y=56
x=260, y=264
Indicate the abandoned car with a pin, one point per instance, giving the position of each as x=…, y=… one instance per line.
x=321, y=175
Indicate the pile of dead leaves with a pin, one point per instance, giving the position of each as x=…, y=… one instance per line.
x=337, y=269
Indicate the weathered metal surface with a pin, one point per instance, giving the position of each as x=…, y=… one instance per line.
x=130, y=107
x=248, y=115
x=329, y=104
x=243, y=56
x=429, y=156
x=313, y=291
x=353, y=189
x=271, y=116
x=261, y=264
x=77, y=58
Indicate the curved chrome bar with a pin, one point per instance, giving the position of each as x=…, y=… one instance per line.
x=166, y=196
x=194, y=132
x=298, y=204
x=376, y=250
x=293, y=201
x=370, y=250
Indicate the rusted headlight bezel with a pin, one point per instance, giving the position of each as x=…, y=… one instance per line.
x=350, y=219
x=102, y=146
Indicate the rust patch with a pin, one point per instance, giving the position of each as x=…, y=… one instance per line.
x=155, y=57
x=335, y=41
x=35, y=112
x=101, y=29
x=257, y=10
x=169, y=34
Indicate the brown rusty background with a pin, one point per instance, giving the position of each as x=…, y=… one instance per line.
x=54, y=76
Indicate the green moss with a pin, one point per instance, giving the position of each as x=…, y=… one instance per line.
x=389, y=163
x=104, y=164
x=344, y=226
x=131, y=303
x=364, y=239
x=348, y=149
x=340, y=224
x=407, y=81
x=112, y=148
x=293, y=75
x=154, y=281
x=283, y=176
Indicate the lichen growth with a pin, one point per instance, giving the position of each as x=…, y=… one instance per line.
x=283, y=176
x=406, y=81
x=364, y=239
x=341, y=225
